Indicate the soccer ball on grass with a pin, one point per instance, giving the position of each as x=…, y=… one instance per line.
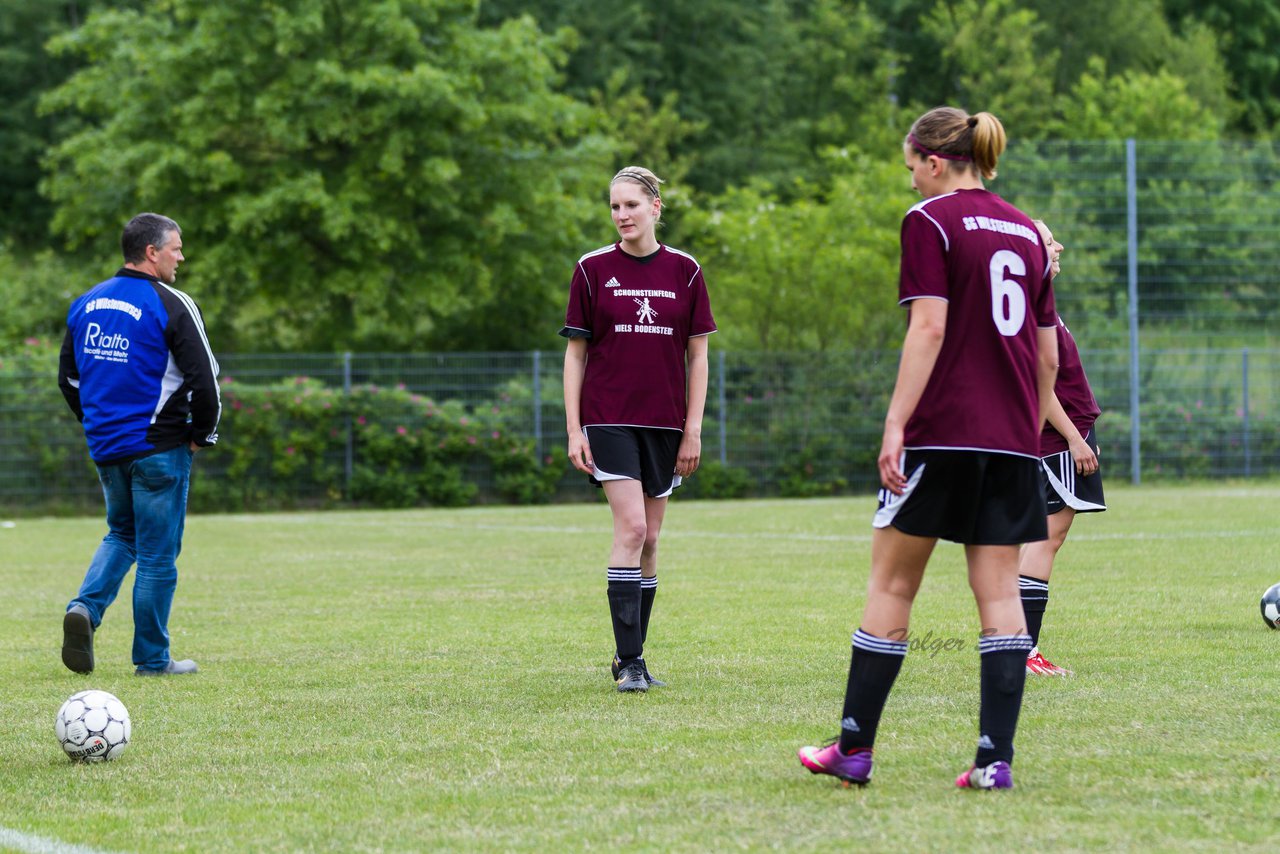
x=1271, y=606
x=93, y=726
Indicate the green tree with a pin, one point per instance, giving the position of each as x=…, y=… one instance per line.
x=765, y=86
x=366, y=174
x=1134, y=104
x=1019, y=59
x=816, y=272
x=25, y=72
x=1248, y=31
x=993, y=52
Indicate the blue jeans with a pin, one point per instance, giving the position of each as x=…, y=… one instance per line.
x=146, y=511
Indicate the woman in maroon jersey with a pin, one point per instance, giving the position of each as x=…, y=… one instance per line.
x=960, y=455
x=1069, y=455
x=635, y=384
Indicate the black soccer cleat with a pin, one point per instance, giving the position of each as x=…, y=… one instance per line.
x=648, y=677
x=631, y=678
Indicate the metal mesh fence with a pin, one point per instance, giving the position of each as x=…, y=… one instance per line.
x=776, y=424
x=1168, y=244
x=1168, y=285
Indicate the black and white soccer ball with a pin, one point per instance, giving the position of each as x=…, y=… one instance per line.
x=1271, y=606
x=93, y=726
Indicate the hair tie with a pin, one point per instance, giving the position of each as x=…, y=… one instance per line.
x=929, y=152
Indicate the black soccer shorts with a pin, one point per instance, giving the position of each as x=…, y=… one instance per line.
x=978, y=498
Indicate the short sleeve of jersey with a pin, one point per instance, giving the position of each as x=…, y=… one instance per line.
x=577, y=316
x=1045, y=308
x=924, y=258
x=700, y=320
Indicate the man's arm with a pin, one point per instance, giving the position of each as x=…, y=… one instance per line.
x=193, y=356
x=69, y=375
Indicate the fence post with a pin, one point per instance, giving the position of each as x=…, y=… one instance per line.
x=1244, y=408
x=1135, y=414
x=720, y=397
x=537, y=405
x=349, y=459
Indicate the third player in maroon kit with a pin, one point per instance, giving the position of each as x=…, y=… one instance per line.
x=635, y=385
x=1073, y=484
x=959, y=459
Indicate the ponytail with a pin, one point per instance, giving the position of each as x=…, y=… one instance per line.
x=954, y=135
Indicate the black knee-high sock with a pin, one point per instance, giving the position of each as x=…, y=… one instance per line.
x=648, y=592
x=872, y=670
x=624, y=608
x=1035, y=599
x=1004, y=673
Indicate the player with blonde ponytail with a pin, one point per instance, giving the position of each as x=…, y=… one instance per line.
x=960, y=455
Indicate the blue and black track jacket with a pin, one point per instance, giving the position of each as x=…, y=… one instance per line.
x=137, y=370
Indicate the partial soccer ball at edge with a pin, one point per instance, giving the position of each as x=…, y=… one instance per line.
x=1271, y=607
x=93, y=726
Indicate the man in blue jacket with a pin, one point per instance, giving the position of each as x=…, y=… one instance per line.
x=137, y=370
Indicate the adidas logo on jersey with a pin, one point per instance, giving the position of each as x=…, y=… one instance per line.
x=612, y=283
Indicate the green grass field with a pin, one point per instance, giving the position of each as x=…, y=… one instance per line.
x=437, y=679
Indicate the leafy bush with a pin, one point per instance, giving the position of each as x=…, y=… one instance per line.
x=287, y=442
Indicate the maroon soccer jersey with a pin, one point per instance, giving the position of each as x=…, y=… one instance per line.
x=1073, y=392
x=638, y=314
x=985, y=258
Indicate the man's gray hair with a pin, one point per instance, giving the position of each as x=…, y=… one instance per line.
x=145, y=229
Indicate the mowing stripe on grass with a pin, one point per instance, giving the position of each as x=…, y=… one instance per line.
x=841, y=538
x=669, y=532
x=25, y=842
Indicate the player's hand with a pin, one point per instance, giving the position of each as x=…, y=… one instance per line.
x=890, y=460
x=1085, y=459
x=689, y=455
x=580, y=453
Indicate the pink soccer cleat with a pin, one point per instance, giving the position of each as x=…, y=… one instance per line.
x=997, y=775
x=851, y=769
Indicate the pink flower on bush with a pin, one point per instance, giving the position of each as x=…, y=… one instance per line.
x=400, y=431
x=471, y=440
x=236, y=404
x=288, y=452
x=400, y=387
x=360, y=419
x=463, y=421
x=495, y=434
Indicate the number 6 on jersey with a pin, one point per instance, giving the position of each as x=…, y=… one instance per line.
x=1008, y=301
